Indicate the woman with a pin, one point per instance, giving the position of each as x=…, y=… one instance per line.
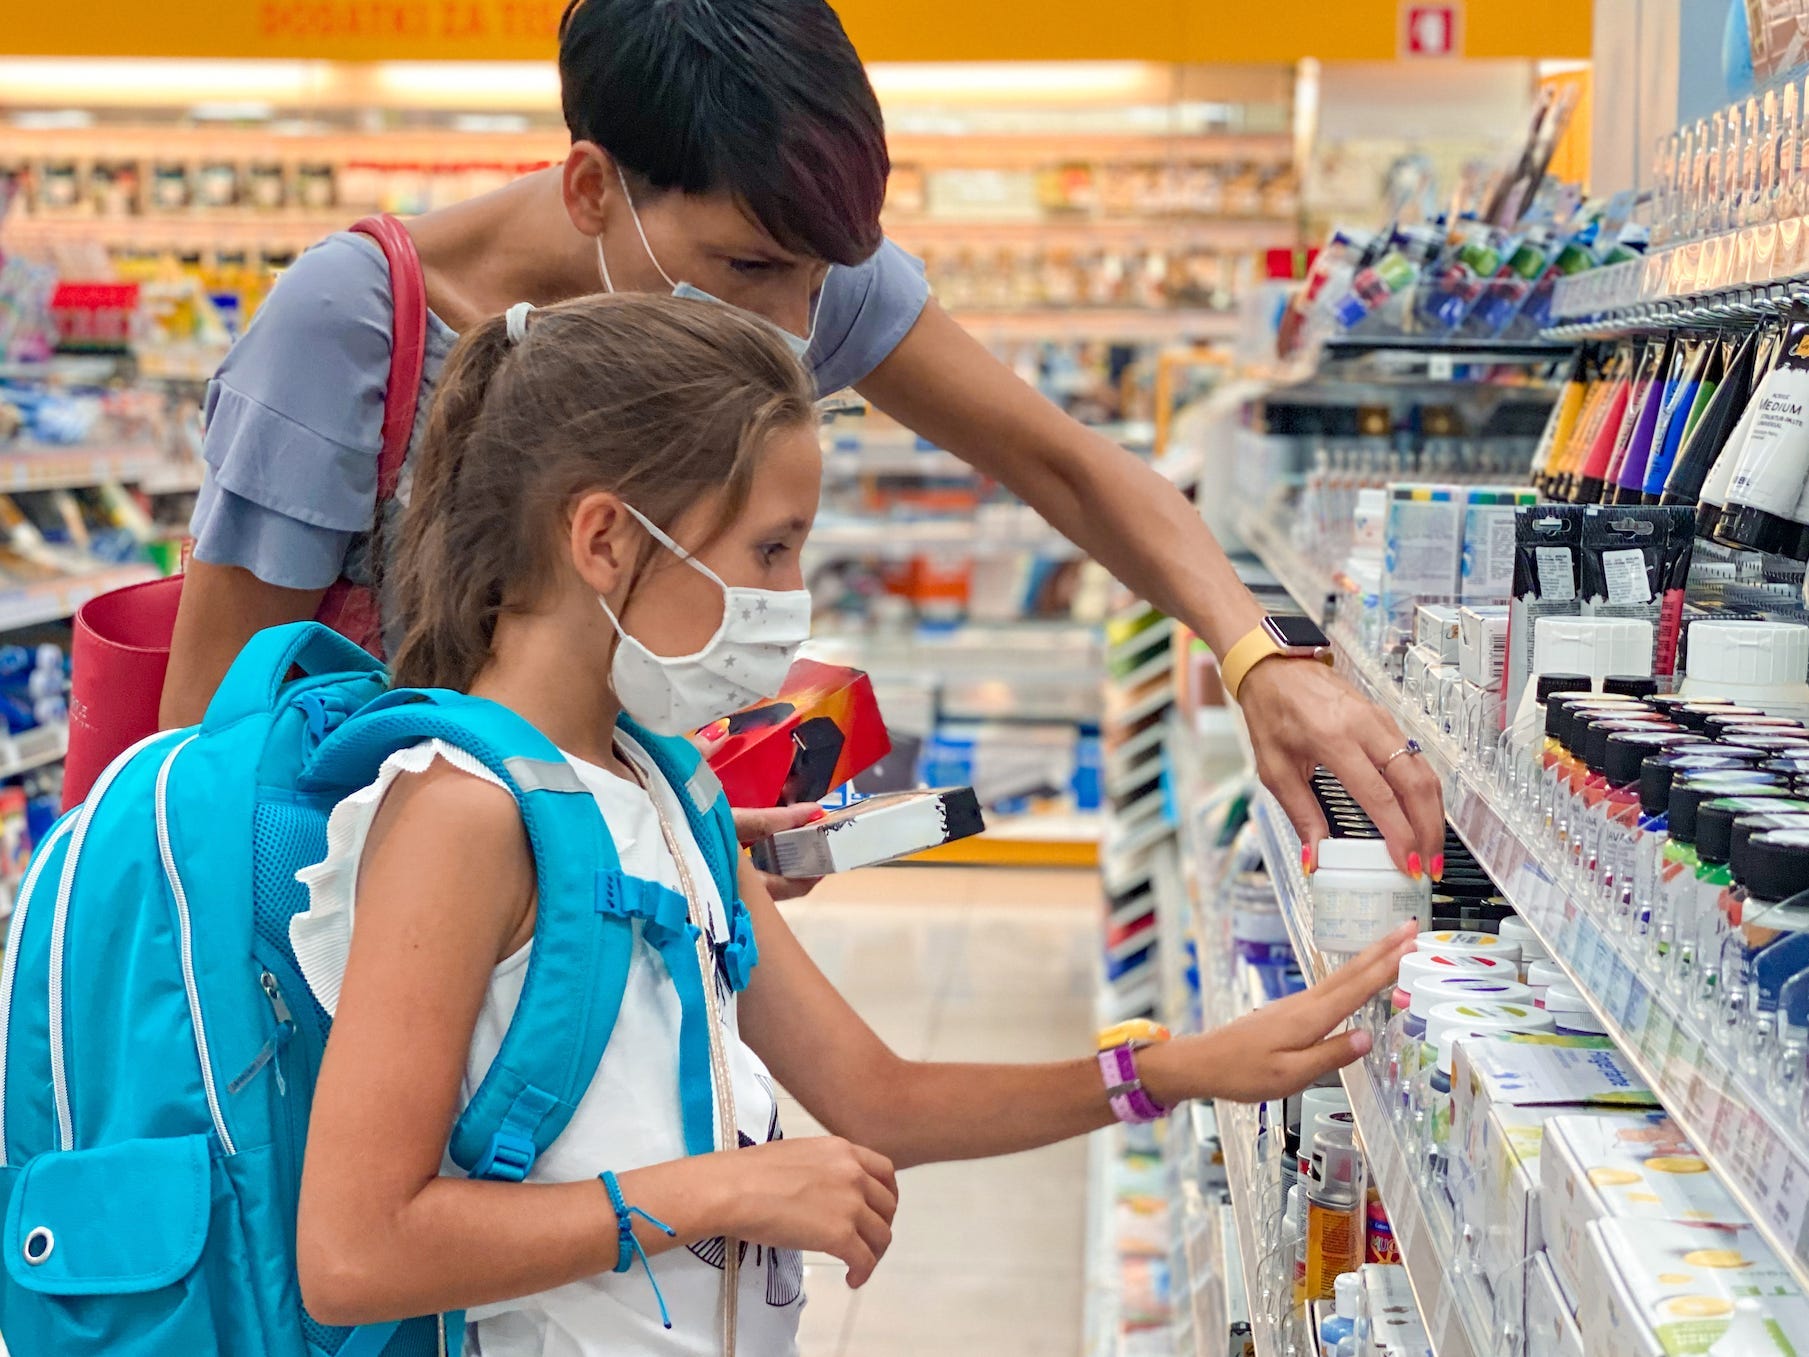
x=734, y=151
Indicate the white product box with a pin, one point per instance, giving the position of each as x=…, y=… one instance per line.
x=1482, y=644
x=1546, y=1070
x=1435, y=626
x=1487, y=569
x=1422, y=549
x=1674, y=1289
x=1551, y=1327
x=1636, y=1166
x=1493, y=1177
x=875, y=830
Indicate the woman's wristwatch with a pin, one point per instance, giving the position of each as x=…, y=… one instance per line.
x=1287, y=635
x=1118, y=1046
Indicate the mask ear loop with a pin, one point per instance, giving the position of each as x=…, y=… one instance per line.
x=665, y=539
x=628, y=197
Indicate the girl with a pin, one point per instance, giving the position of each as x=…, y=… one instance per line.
x=571, y=554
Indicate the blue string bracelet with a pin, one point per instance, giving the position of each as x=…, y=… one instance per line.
x=628, y=1247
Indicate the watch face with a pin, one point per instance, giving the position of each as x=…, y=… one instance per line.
x=1296, y=632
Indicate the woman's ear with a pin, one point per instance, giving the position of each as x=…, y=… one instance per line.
x=604, y=541
x=587, y=181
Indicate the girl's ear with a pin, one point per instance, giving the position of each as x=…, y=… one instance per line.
x=604, y=542
x=587, y=181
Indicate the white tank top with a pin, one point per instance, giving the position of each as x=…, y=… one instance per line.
x=629, y=1118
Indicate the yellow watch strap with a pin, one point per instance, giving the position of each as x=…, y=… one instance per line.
x=1251, y=649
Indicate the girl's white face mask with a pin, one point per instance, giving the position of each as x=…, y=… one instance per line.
x=744, y=662
x=798, y=344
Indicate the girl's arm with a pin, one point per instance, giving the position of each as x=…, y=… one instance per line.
x=445, y=891
x=917, y=1112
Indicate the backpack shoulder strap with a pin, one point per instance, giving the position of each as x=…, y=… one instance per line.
x=408, y=350
x=583, y=931
x=713, y=824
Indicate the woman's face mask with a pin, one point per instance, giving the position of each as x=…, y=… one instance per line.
x=798, y=344
x=746, y=661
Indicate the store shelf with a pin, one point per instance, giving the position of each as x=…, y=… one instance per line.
x=1757, y=1150
x=1003, y=151
x=1257, y=1218
x=1456, y=348
x=1054, y=839
x=57, y=468
x=1092, y=233
x=1311, y=588
x=954, y=536
x=53, y=600
x=1100, y=324
x=1423, y=1228
x=282, y=231
x=32, y=749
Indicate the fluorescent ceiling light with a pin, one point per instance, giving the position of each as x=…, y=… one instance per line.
x=1018, y=81
x=127, y=80
x=470, y=84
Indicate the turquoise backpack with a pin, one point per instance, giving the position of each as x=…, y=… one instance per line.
x=158, y=1046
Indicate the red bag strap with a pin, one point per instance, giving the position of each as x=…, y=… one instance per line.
x=408, y=350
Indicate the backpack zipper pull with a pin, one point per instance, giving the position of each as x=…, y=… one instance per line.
x=285, y=1028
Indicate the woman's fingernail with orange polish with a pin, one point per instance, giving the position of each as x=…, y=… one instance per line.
x=1306, y=858
x=1438, y=866
x=1413, y=866
x=818, y=814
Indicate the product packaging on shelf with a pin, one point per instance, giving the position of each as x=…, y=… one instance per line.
x=1494, y=1178
x=1677, y=1289
x=822, y=729
x=1423, y=549
x=1551, y=1325
x=1394, y=1315
x=1548, y=547
x=1487, y=570
x=1634, y=1166
x=1482, y=645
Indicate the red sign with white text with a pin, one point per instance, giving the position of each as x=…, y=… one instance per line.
x=1431, y=30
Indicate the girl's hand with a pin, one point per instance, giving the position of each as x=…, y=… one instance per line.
x=1283, y=1047
x=753, y=825
x=1302, y=716
x=819, y=1193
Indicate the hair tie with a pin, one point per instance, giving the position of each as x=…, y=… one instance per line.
x=516, y=320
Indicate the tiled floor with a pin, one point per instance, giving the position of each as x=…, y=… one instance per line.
x=963, y=964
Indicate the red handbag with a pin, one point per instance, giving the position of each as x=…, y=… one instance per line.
x=121, y=649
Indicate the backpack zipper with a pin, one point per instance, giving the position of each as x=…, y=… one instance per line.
x=202, y=1051
x=9, y=969
x=273, y=1047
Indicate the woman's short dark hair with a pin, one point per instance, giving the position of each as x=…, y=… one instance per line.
x=763, y=98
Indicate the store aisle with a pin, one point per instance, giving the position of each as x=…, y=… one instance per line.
x=963, y=964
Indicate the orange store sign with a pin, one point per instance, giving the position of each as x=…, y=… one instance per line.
x=429, y=22
x=883, y=30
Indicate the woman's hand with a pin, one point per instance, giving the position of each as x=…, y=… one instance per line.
x=1283, y=1047
x=819, y=1193
x=1302, y=716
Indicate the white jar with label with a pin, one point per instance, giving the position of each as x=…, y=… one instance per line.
x=1359, y=897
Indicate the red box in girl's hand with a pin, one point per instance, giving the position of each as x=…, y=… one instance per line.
x=822, y=729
